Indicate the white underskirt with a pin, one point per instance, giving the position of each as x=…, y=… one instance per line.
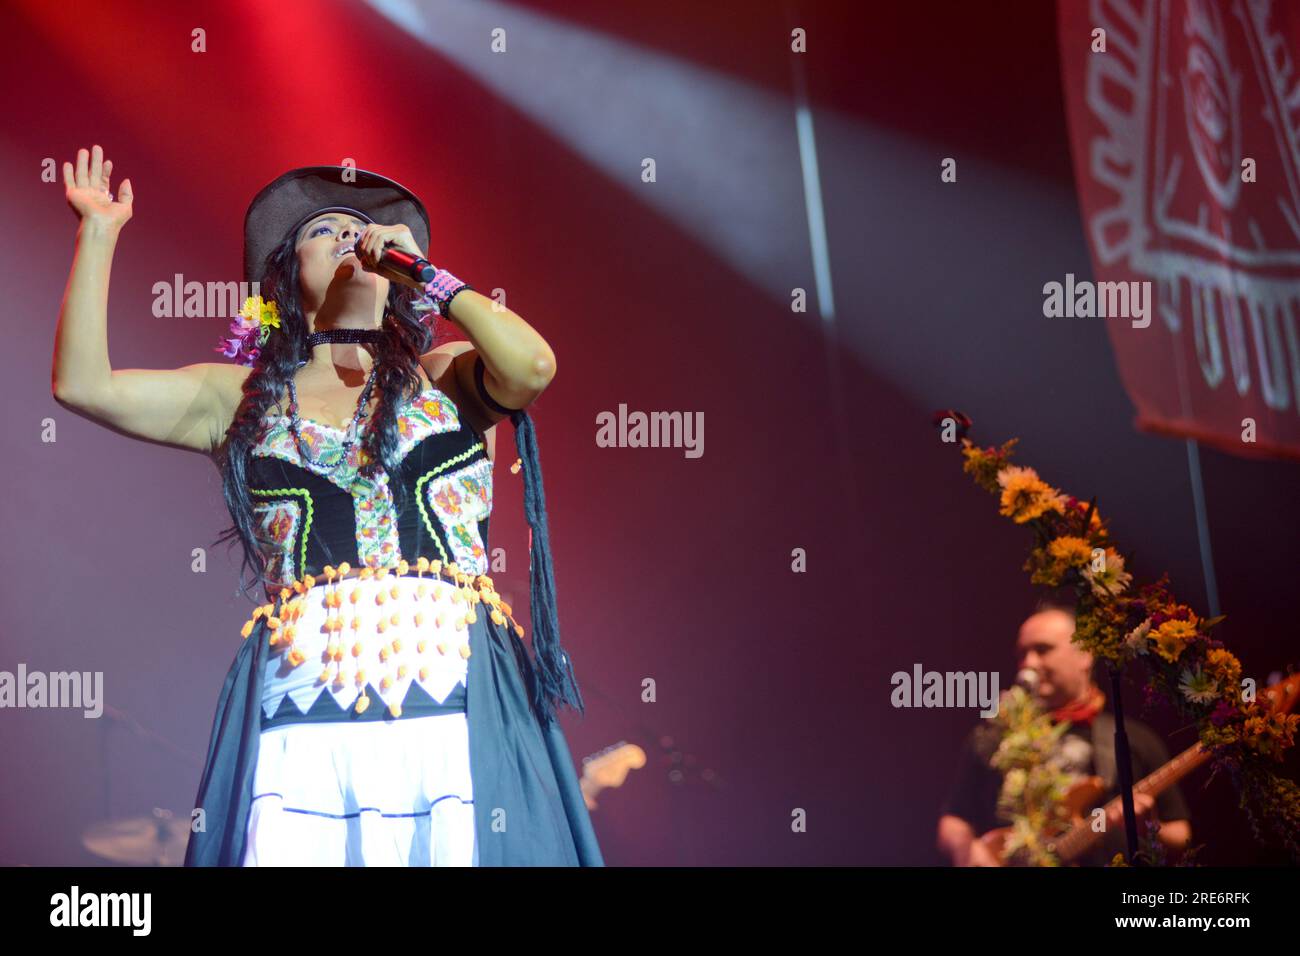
x=370, y=793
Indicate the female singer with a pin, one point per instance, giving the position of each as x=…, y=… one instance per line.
x=382, y=708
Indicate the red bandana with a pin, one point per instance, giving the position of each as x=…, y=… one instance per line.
x=1082, y=712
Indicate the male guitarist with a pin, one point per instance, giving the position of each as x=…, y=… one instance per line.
x=1065, y=687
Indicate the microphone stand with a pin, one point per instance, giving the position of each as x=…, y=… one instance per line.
x=1125, y=767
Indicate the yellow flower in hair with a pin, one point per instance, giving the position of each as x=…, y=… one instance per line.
x=264, y=314
x=249, y=331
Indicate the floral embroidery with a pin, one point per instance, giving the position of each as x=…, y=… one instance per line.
x=276, y=526
x=429, y=413
x=377, y=542
x=460, y=500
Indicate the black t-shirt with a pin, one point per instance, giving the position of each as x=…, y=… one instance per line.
x=974, y=794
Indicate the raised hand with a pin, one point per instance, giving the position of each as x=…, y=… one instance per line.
x=88, y=193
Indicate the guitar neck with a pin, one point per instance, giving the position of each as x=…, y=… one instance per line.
x=1282, y=697
x=1082, y=837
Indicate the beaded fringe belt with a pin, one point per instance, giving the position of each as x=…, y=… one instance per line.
x=394, y=602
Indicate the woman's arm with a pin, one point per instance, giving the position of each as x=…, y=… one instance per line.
x=186, y=408
x=518, y=363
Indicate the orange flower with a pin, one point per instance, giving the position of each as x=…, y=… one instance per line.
x=1224, y=667
x=1025, y=496
x=1070, y=551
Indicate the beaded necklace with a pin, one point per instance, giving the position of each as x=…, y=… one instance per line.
x=333, y=336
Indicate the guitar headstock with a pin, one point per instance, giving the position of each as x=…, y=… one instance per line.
x=609, y=767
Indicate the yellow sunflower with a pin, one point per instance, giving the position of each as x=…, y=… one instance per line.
x=1171, y=638
x=1025, y=496
x=1070, y=551
x=1253, y=730
x=1223, y=666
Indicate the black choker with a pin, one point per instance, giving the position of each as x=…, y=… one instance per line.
x=343, y=337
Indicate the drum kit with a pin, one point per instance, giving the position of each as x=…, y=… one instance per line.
x=155, y=840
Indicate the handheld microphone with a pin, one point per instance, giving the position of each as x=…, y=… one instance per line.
x=396, y=264
x=405, y=264
x=1028, y=679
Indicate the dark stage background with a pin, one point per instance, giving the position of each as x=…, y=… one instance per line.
x=672, y=295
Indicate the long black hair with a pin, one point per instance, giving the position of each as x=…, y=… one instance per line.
x=397, y=379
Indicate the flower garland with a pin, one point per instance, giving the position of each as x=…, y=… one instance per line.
x=1122, y=623
x=1033, y=784
x=1151, y=852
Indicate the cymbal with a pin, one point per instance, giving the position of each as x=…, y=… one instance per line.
x=156, y=840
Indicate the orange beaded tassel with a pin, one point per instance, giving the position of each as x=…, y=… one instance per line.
x=282, y=622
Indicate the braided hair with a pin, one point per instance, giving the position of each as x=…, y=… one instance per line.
x=554, y=682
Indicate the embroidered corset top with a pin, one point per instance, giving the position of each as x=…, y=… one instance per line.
x=329, y=508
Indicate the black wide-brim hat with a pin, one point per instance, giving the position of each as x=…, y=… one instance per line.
x=286, y=204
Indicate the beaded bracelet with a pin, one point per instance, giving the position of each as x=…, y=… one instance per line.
x=438, y=293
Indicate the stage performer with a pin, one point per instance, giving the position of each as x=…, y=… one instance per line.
x=382, y=707
x=1065, y=687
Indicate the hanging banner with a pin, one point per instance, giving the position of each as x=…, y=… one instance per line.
x=1184, y=121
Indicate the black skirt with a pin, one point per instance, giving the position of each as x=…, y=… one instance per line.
x=528, y=807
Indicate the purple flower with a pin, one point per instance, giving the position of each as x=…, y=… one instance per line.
x=1223, y=713
x=242, y=345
